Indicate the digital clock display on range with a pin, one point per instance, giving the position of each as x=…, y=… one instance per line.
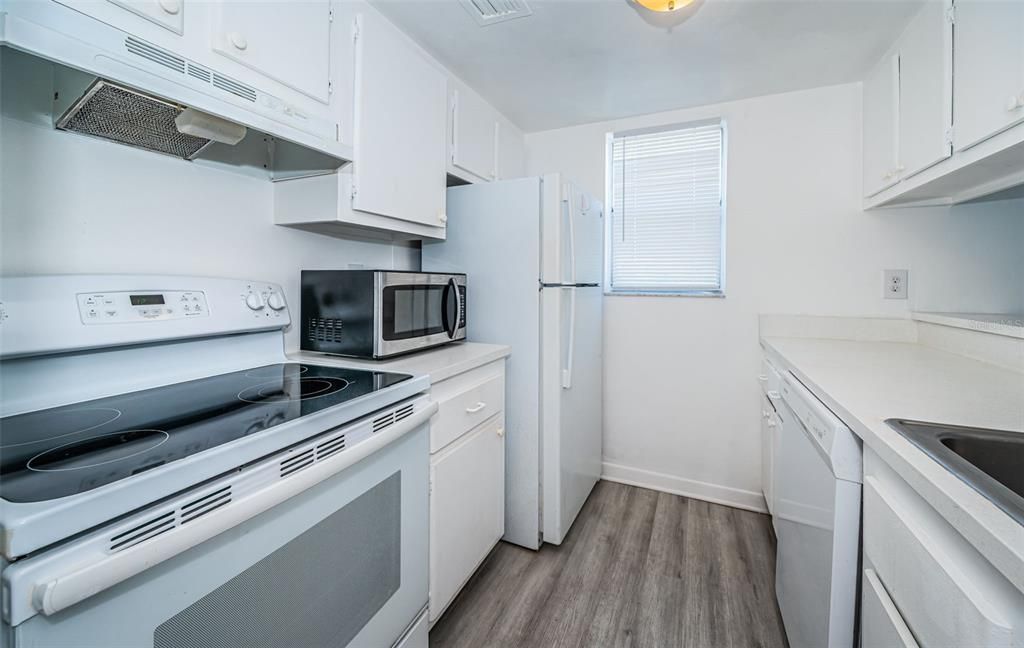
x=146, y=300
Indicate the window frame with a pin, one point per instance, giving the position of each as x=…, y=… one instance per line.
x=608, y=238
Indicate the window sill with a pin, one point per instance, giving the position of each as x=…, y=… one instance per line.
x=665, y=293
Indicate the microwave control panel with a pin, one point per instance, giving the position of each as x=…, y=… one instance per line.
x=141, y=306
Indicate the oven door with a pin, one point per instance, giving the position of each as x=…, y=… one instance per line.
x=419, y=310
x=343, y=563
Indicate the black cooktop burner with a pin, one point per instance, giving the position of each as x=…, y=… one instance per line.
x=72, y=449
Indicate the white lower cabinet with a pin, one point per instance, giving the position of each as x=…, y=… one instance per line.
x=923, y=583
x=467, y=479
x=881, y=623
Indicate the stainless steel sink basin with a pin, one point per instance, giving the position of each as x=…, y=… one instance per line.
x=989, y=461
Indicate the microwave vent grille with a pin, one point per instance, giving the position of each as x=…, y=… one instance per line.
x=325, y=330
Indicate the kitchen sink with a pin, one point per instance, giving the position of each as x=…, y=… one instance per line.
x=989, y=461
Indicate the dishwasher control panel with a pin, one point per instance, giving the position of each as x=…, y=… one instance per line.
x=141, y=306
x=842, y=449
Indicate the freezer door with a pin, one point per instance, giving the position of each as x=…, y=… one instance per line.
x=571, y=403
x=572, y=234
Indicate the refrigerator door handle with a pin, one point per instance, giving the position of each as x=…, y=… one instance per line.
x=567, y=372
x=571, y=214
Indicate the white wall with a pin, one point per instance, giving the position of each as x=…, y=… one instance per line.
x=70, y=204
x=681, y=400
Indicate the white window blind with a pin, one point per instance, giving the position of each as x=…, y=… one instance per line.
x=666, y=226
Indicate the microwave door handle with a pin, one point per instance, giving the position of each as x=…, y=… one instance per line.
x=454, y=323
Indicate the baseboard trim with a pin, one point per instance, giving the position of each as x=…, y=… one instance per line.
x=734, y=497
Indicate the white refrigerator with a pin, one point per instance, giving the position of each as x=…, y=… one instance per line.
x=532, y=250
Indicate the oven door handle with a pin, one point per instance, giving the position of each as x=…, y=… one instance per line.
x=70, y=577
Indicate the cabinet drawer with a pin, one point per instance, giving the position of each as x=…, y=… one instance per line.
x=461, y=411
x=880, y=622
x=945, y=591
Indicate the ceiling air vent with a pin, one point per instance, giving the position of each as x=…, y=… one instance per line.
x=490, y=12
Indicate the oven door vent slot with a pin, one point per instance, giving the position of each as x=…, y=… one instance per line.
x=382, y=422
x=142, y=532
x=329, y=447
x=297, y=462
x=200, y=506
x=405, y=412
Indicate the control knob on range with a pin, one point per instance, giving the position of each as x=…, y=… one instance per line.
x=254, y=301
x=275, y=301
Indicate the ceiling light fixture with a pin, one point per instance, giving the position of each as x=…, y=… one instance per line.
x=663, y=6
x=665, y=14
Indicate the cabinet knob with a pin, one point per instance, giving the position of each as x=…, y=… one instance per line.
x=501, y=431
x=170, y=6
x=1015, y=102
x=238, y=40
x=443, y=218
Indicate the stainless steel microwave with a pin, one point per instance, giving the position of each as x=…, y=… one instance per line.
x=381, y=313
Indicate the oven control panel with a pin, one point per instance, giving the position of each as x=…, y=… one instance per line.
x=141, y=306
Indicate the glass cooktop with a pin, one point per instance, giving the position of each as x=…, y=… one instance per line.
x=72, y=449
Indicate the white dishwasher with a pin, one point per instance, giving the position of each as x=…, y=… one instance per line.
x=817, y=521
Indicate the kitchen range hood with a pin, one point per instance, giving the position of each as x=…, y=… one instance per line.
x=112, y=112
x=114, y=86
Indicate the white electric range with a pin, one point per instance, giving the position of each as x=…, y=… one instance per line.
x=169, y=479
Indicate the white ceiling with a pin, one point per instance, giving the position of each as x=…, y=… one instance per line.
x=579, y=61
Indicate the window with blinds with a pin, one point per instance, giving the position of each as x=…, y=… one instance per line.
x=667, y=226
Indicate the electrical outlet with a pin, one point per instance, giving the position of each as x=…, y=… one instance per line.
x=894, y=284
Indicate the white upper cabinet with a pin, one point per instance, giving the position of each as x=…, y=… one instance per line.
x=926, y=89
x=881, y=121
x=473, y=142
x=289, y=44
x=989, y=65
x=126, y=14
x=944, y=110
x=399, y=127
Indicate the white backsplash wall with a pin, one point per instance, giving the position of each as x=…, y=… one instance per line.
x=681, y=396
x=70, y=204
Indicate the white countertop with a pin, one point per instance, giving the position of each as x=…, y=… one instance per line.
x=865, y=383
x=440, y=363
x=1008, y=324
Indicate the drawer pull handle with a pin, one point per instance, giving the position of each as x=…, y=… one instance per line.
x=473, y=410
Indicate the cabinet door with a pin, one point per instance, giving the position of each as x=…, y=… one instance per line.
x=400, y=124
x=989, y=69
x=467, y=508
x=926, y=89
x=474, y=137
x=881, y=625
x=768, y=425
x=881, y=118
x=169, y=14
x=290, y=44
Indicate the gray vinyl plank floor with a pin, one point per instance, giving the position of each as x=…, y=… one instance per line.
x=639, y=568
